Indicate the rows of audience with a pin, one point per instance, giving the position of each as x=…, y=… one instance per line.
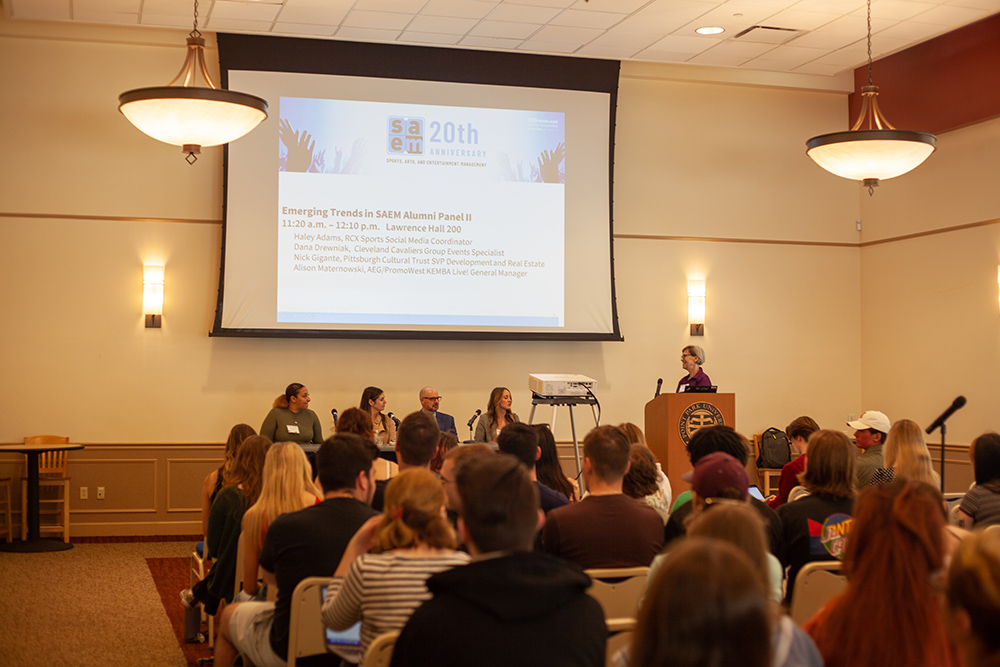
x=477, y=553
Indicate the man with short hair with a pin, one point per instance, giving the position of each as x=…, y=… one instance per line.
x=509, y=606
x=307, y=543
x=430, y=403
x=606, y=528
x=720, y=438
x=521, y=441
x=452, y=460
x=416, y=441
x=869, y=436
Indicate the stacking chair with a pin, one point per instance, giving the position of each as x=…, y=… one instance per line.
x=5, y=501
x=379, y=653
x=198, y=570
x=815, y=585
x=618, y=590
x=51, y=473
x=621, y=631
x=306, y=635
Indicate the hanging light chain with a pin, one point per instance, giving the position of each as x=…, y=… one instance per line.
x=869, y=38
x=196, y=33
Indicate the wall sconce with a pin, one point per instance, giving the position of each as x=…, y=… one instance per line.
x=696, y=307
x=152, y=296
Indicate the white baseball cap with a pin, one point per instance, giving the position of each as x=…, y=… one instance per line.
x=871, y=419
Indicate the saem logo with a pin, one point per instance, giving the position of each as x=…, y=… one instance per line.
x=405, y=136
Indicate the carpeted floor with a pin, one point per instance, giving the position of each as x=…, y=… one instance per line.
x=171, y=576
x=94, y=605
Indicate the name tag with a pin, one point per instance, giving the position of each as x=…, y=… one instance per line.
x=292, y=428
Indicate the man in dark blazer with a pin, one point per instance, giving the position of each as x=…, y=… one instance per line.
x=430, y=401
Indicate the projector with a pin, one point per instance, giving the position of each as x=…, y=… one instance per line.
x=557, y=384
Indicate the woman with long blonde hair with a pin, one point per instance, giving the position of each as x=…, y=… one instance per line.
x=285, y=487
x=411, y=541
x=906, y=455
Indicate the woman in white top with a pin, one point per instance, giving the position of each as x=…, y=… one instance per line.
x=409, y=543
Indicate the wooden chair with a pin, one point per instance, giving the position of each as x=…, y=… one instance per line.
x=379, y=653
x=306, y=635
x=815, y=585
x=618, y=590
x=5, y=500
x=51, y=473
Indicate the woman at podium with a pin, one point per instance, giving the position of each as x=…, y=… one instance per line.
x=692, y=357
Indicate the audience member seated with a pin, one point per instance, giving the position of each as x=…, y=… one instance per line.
x=409, y=543
x=498, y=414
x=285, y=487
x=416, y=441
x=224, y=524
x=307, y=543
x=706, y=606
x=446, y=443
x=373, y=402
x=660, y=501
x=548, y=469
x=972, y=611
x=735, y=523
x=798, y=433
x=890, y=613
x=906, y=455
x=509, y=606
x=521, y=442
x=981, y=504
x=645, y=480
x=453, y=459
x=216, y=479
x=606, y=528
x=869, y=436
x=358, y=422
x=719, y=439
x=829, y=478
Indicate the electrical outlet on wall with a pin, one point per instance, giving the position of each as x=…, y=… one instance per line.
x=100, y=493
x=83, y=493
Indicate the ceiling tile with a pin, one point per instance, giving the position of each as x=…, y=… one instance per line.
x=41, y=10
x=950, y=15
x=397, y=6
x=329, y=15
x=989, y=5
x=560, y=4
x=900, y=10
x=746, y=50
x=167, y=8
x=165, y=21
x=380, y=20
x=820, y=69
x=565, y=35
x=823, y=39
x=244, y=11
x=110, y=7
x=792, y=55
x=683, y=44
x=442, y=24
x=353, y=34
x=490, y=42
x=504, y=29
x=622, y=6
x=313, y=29
x=911, y=31
x=606, y=52
x=663, y=56
x=469, y=9
x=547, y=47
x=524, y=14
x=830, y=6
x=429, y=37
x=792, y=18
x=857, y=26
x=718, y=60
x=578, y=19
x=634, y=40
x=113, y=18
x=247, y=25
x=767, y=65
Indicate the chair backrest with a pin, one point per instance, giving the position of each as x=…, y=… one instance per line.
x=306, y=635
x=379, y=653
x=617, y=642
x=618, y=589
x=798, y=492
x=953, y=514
x=238, y=584
x=815, y=584
x=49, y=463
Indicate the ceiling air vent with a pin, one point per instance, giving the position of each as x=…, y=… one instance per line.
x=765, y=34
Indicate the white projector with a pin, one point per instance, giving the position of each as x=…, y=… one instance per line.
x=557, y=384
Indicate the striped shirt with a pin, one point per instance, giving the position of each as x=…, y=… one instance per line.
x=982, y=505
x=382, y=590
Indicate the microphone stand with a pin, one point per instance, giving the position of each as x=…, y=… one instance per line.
x=943, y=429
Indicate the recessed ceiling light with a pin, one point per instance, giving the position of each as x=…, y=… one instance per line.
x=710, y=30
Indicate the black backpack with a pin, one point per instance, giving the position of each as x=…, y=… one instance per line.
x=775, y=450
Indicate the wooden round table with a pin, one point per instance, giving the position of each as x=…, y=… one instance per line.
x=34, y=543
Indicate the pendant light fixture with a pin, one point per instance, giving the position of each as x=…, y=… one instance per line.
x=190, y=116
x=877, y=152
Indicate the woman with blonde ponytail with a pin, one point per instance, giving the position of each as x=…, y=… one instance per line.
x=285, y=487
x=411, y=541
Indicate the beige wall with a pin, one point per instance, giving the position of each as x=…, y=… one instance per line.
x=84, y=195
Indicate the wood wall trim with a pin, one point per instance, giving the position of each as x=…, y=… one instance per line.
x=930, y=232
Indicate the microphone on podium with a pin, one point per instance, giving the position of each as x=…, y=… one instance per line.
x=471, y=434
x=659, y=383
x=335, y=415
x=393, y=418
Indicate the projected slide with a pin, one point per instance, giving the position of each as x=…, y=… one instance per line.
x=413, y=214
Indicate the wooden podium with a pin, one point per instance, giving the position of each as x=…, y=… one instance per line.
x=671, y=419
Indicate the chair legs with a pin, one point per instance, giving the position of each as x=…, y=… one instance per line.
x=5, y=499
x=63, y=526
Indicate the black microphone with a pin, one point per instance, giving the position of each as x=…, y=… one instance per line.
x=393, y=418
x=659, y=383
x=334, y=413
x=478, y=412
x=957, y=404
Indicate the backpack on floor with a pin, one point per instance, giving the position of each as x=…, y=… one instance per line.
x=775, y=450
